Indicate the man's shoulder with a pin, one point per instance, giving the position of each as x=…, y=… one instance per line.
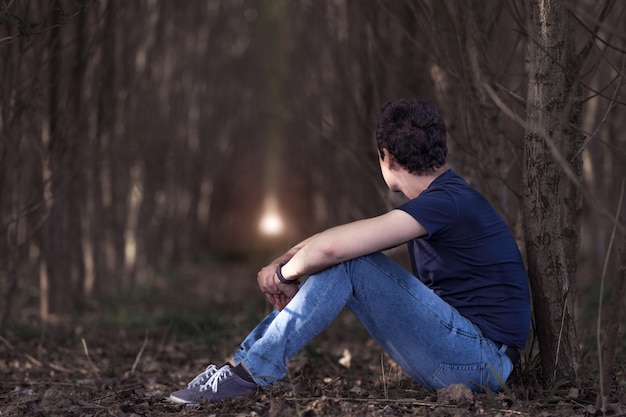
x=449, y=178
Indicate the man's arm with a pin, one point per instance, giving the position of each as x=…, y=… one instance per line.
x=336, y=245
x=352, y=240
x=289, y=254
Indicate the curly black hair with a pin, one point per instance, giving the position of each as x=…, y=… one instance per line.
x=414, y=133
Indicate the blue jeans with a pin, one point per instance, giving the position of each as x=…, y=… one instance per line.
x=426, y=336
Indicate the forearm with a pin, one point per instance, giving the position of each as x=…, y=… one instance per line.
x=351, y=240
x=315, y=254
x=293, y=250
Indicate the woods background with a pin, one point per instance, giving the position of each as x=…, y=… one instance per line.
x=138, y=134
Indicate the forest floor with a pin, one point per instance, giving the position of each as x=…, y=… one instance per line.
x=124, y=355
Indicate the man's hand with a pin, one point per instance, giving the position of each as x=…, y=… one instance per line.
x=277, y=293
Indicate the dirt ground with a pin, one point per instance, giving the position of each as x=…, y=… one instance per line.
x=123, y=356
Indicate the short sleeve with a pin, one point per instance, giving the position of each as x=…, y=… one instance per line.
x=434, y=209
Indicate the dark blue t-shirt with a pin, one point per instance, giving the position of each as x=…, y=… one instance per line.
x=470, y=259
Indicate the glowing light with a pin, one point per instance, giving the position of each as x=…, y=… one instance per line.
x=271, y=224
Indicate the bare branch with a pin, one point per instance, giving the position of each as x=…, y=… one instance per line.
x=10, y=39
x=555, y=153
x=612, y=104
x=600, y=23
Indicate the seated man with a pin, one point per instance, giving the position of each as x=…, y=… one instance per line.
x=459, y=318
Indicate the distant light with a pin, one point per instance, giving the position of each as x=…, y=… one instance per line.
x=271, y=224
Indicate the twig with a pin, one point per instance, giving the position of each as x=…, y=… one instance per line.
x=555, y=153
x=332, y=381
x=6, y=343
x=162, y=344
x=558, y=343
x=86, y=350
x=59, y=368
x=11, y=38
x=85, y=404
x=382, y=367
x=139, y=354
x=612, y=103
x=34, y=361
x=410, y=401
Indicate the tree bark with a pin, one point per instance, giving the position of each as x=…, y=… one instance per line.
x=547, y=247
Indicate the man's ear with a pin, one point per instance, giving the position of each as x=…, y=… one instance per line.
x=389, y=159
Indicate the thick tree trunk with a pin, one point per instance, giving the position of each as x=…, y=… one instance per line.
x=547, y=247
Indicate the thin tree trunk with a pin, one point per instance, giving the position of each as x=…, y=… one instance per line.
x=11, y=244
x=611, y=337
x=51, y=255
x=8, y=188
x=108, y=269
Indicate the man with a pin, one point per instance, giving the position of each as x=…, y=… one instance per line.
x=459, y=318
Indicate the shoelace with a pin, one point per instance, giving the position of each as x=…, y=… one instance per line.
x=213, y=382
x=203, y=376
